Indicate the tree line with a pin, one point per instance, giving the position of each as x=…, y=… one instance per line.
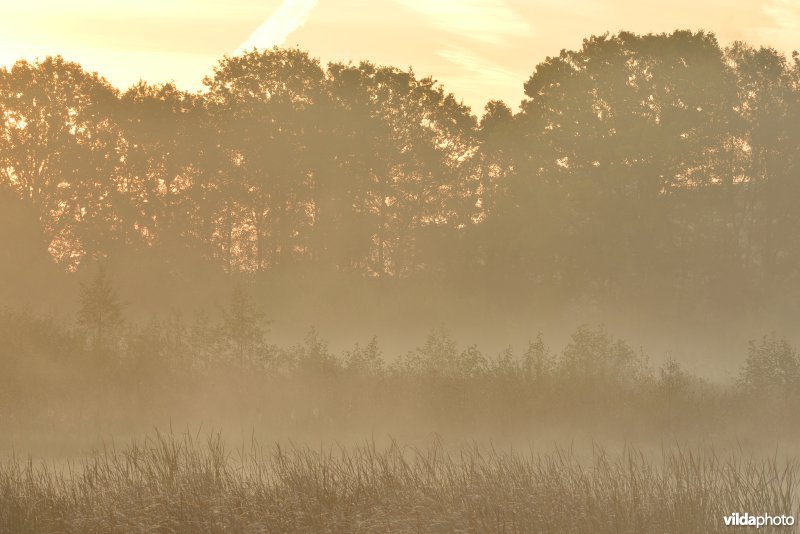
x=636, y=164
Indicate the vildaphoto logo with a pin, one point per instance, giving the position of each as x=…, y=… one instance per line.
x=764, y=520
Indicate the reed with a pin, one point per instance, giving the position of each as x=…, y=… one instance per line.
x=188, y=483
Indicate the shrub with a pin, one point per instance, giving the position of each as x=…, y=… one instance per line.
x=772, y=364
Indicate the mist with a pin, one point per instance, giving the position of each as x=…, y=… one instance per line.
x=346, y=256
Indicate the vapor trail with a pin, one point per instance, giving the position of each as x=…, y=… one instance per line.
x=290, y=15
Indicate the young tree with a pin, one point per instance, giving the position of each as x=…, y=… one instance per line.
x=243, y=326
x=100, y=313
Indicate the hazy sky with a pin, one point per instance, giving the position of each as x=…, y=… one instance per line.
x=480, y=49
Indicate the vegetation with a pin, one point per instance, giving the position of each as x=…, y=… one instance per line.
x=173, y=484
x=639, y=167
x=221, y=369
x=653, y=174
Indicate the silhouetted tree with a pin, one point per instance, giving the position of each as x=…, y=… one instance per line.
x=656, y=166
x=161, y=154
x=57, y=142
x=262, y=104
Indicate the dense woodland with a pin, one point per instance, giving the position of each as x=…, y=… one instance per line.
x=639, y=165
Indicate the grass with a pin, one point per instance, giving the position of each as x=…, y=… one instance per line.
x=168, y=483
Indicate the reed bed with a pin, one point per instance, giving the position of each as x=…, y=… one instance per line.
x=169, y=483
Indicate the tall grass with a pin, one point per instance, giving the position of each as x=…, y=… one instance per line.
x=166, y=483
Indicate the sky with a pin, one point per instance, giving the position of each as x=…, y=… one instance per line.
x=479, y=49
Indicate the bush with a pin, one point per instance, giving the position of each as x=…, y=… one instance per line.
x=772, y=365
x=594, y=359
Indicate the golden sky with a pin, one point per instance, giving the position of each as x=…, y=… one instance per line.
x=480, y=49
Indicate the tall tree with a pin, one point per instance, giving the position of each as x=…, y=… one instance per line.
x=57, y=145
x=262, y=103
x=613, y=134
x=768, y=106
x=415, y=161
x=160, y=155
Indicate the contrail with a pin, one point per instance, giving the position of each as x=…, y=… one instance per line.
x=290, y=15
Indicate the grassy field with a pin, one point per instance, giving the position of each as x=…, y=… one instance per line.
x=168, y=483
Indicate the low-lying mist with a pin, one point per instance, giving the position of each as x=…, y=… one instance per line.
x=68, y=387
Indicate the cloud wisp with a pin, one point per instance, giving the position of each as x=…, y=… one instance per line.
x=488, y=21
x=478, y=34
x=290, y=15
x=488, y=70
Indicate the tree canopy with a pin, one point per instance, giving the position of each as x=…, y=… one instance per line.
x=636, y=165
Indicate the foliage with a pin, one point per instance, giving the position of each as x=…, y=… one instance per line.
x=593, y=358
x=168, y=364
x=658, y=166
